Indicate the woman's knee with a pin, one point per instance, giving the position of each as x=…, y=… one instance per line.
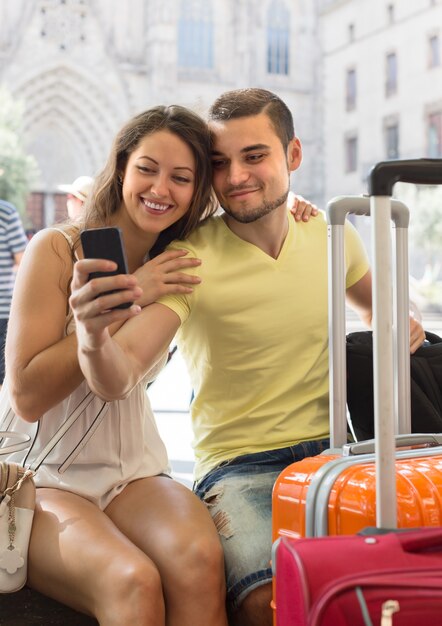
x=133, y=589
x=139, y=577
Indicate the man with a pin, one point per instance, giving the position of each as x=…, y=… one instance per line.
x=13, y=242
x=254, y=335
x=77, y=193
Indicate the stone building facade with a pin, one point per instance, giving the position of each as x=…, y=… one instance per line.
x=363, y=78
x=382, y=86
x=381, y=94
x=83, y=67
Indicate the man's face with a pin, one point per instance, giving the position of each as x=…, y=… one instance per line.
x=250, y=167
x=74, y=206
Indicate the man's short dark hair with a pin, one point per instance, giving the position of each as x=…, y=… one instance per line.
x=252, y=101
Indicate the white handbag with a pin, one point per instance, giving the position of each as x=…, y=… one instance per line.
x=17, y=504
x=17, y=501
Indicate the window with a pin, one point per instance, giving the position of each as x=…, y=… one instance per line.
x=350, y=90
x=351, y=33
x=278, y=38
x=390, y=13
x=351, y=154
x=195, y=34
x=391, y=70
x=434, y=130
x=392, y=141
x=433, y=51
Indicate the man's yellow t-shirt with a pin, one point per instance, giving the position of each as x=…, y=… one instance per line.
x=254, y=335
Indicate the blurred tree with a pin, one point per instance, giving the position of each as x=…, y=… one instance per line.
x=17, y=169
x=427, y=225
x=425, y=203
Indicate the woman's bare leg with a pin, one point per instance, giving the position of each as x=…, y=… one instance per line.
x=173, y=527
x=78, y=556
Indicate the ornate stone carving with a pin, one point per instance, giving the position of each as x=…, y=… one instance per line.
x=63, y=22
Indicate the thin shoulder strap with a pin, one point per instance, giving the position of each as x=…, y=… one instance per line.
x=67, y=236
x=64, y=233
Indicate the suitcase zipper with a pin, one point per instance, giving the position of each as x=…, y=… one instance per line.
x=388, y=609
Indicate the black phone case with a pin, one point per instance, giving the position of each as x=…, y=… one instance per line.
x=105, y=243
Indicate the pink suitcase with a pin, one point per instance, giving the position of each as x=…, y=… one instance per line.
x=338, y=581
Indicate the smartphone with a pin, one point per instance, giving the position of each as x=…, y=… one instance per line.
x=105, y=243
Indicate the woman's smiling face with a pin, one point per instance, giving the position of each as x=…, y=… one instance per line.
x=159, y=181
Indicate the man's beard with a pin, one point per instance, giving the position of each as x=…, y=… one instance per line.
x=251, y=215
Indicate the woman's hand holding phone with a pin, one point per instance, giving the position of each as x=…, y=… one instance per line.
x=94, y=301
x=105, y=243
x=103, y=292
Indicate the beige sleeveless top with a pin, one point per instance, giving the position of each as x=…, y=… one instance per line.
x=108, y=445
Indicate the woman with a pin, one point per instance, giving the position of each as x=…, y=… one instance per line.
x=113, y=536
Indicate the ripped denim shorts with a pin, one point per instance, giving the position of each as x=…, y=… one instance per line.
x=238, y=494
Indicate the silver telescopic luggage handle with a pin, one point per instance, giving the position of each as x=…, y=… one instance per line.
x=382, y=178
x=383, y=355
x=337, y=210
x=401, y=441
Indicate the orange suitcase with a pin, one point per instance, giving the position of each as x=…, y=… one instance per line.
x=335, y=492
x=334, y=495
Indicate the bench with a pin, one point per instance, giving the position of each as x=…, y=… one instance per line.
x=30, y=608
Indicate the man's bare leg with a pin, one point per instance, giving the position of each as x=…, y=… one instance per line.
x=255, y=610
